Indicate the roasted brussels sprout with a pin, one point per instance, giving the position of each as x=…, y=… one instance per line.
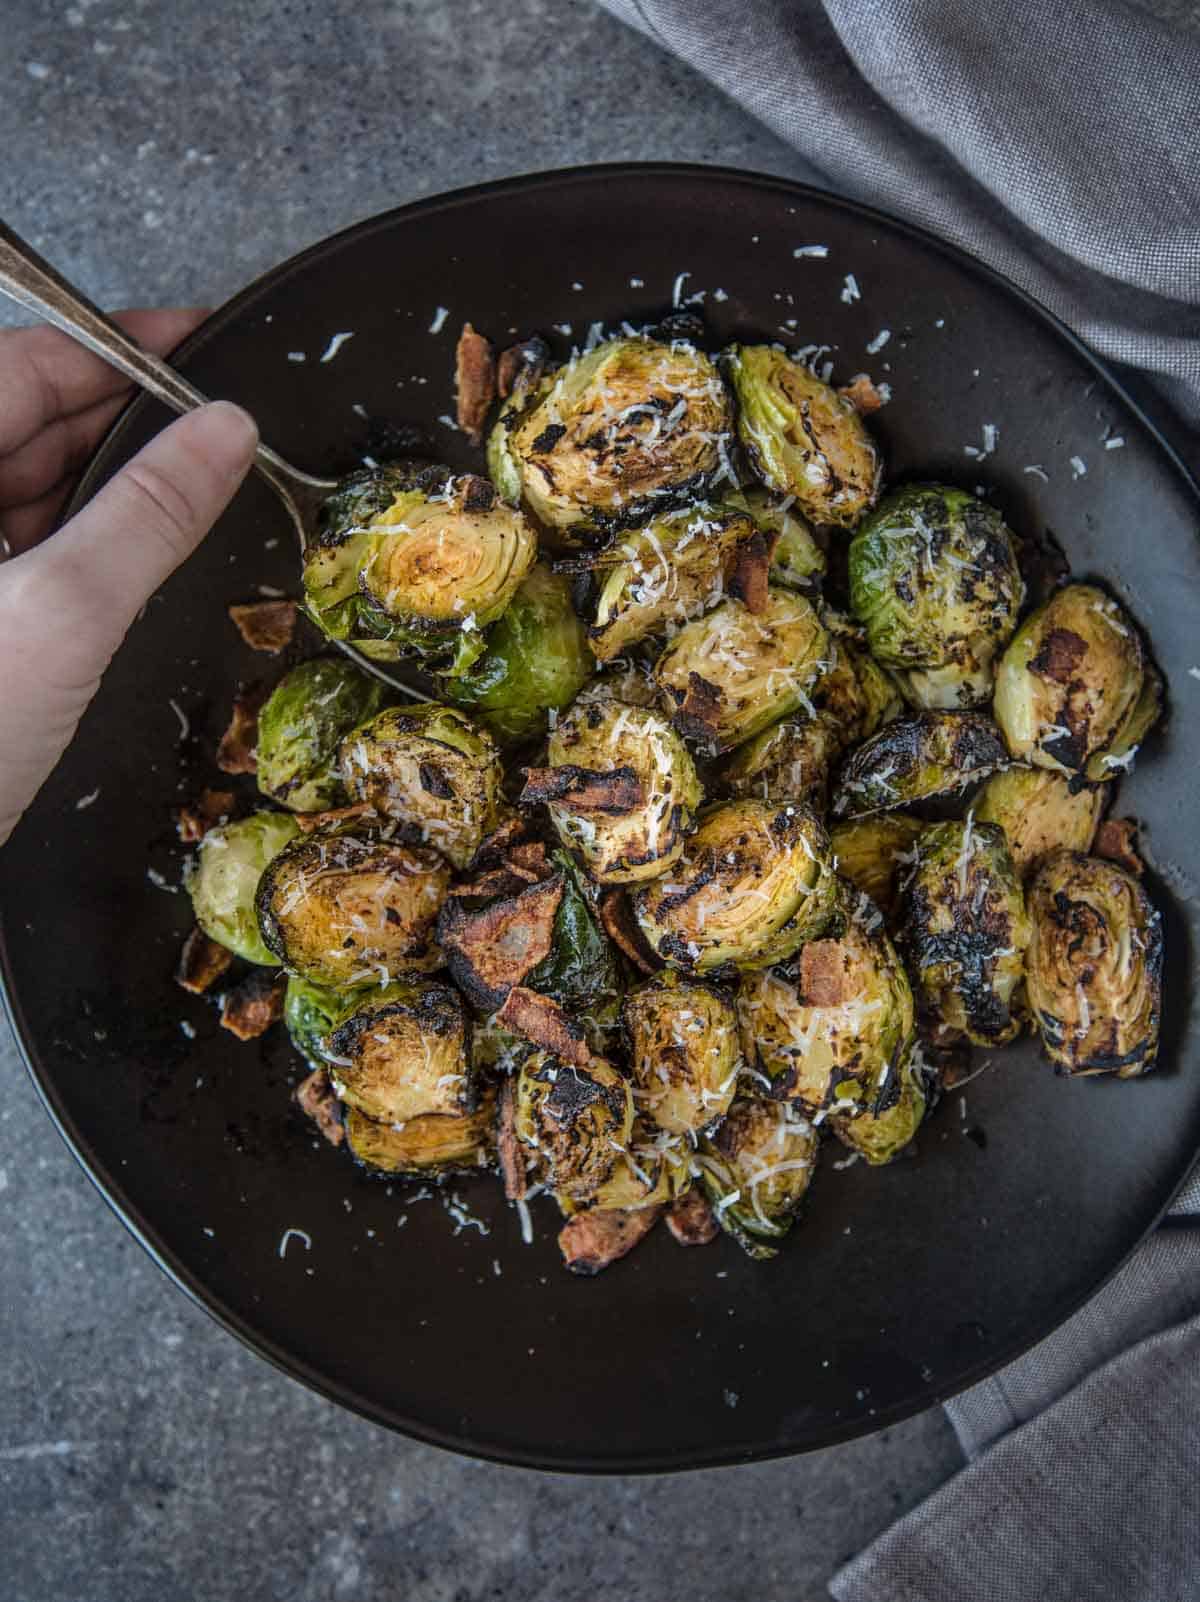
x=882, y=1132
x=934, y=581
x=535, y=661
x=400, y=1052
x=755, y=881
x=435, y=1143
x=674, y=569
x=797, y=562
x=621, y=788
x=403, y=563
x=1094, y=966
x=653, y=1169
x=578, y=1120
x=916, y=758
x=857, y=693
x=310, y=1013
x=626, y=680
x=301, y=726
x=1040, y=811
x=224, y=880
x=802, y=437
x=1074, y=690
x=730, y=674
x=344, y=909
x=431, y=767
x=835, y=1024
x=683, y=1044
x=790, y=761
x=965, y=929
x=871, y=852
x=624, y=430
x=756, y=1170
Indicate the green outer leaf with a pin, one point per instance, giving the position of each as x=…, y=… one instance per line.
x=301, y=726
x=581, y=971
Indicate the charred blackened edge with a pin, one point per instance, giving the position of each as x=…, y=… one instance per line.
x=615, y=793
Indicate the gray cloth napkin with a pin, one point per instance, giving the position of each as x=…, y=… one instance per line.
x=1061, y=144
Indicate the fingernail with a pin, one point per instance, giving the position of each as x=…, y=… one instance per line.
x=229, y=431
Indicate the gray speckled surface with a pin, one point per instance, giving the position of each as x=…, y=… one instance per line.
x=165, y=153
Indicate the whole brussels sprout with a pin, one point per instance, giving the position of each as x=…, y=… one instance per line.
x=405, y=564
x=754, y=883
x=684, y=1053
x=624, y=430
x=431, y=767
x=882, y=1133
x=964, y=930
x=1094, y=966
x=871, y=851
x=400, y=1051
x=730, y=674
x=577, y=1120
x=1040, y=811
x=224, y=881
x=310, y=1014
x=301, y=725
x=535, y=662
x=934, y=580
x=1074, y=690
x=797, y=561
x=756, y=1169
x=790, y=761
x=802, y=437
x=913, y=759
x=435, y=1143
x=344, y=909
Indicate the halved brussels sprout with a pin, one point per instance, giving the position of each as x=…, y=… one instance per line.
x=629, y=428
x=435, y=1143
x=648, y=1173
x=578, y=1120
x=797, y=562
x=400, y=1052
x=965, y=930
x=834, y=1025
x=882, y=1133
x=857, y=693
x=224, y=880
x=870, y=852
x=403, y=564
x=431, y=767
x=754, y=883
x=683, y=1043
x=790, y=761
x=344, y=909
x=802, y=437
x=626, y=680
x=530, y=380
x=1040, y=811
x=310, y=1013
x=756, y=1170
x=1094, y=966
x=301, y=725
x=916, y=758
x=730, y=674
x=1075, y=691
x=675, y=568
x=621, y=788
x=935, y=582
x=535, y=661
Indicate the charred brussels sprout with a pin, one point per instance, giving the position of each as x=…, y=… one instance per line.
x=1074, y=690
x=623, y=430
x=871, y=852
x=797, y=561
x=400, y=1052
x=402, y=564
x=1040, y=811
x=224, y=881
x=1094, y=967
x=756, y=1170
x=965, y=930
x=802, y=437
x=653, y=1169
x=730, y=674
x=578, y=1120
x=310, y=1013
x=431, y=767
x=535, y=662
x=301, y=726
x=434, y=1143
x=881, y=1133
x=622, y=790
x=914, y=759
x=755, y=881
x=857, y=693
x=343, y=909
x=684, y=1052
x=934, y=581
x=790, y=761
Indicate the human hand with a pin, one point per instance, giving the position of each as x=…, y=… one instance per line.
x=67, y=600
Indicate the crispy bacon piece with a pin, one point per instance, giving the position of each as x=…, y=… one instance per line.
x=508, y=1149
x=236, y=752
x=266, y=625
x=752, y=569
x=201, y=962
x=621, y=927
x=615, y=792
x=591, y=1241
x=1116, y=839
x=494, y=847
x=862, y=394
x=315, y=1098
x=691, y=1220
x=542, y=1020
x=490, y=951
x=529, y=861
x=823, y=978
x=475, y=382
x=249, y=1009
x=194, y=819
x=311, y=821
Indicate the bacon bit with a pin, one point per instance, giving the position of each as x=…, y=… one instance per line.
x=621, y=927
x=249, y=1009
x=823, y=979
x=521, y=366
x=542, y=1020
x=616, y=792
x=1059, y=656
x=236, y=752
x=530, y=861
x=266, y=625
x=315, y=1098
x=500, y=882
x=310, y=821
x=490, y=951
x=475, y=382
x=699, y=712
x=508, y=1150
x=201, y=962
x=1116, y=841
x=862, y=394
x=591, y=1241
x=494, y=847
x=691, y=1220
x=751, y=570
x=194, y=819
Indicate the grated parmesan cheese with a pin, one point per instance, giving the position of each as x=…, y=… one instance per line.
x=439, y=319
x=335, y=344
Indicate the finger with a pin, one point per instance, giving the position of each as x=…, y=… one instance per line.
x=45, y=374
x=54, y=456
x=23, y=527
